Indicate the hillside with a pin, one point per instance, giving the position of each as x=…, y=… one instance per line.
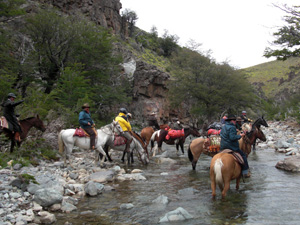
x=276, y=79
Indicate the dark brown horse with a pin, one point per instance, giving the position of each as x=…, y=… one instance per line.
x=26, y=125
x=196, y=147
x=160, y=137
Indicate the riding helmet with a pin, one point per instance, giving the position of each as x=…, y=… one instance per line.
x=11, y=95
x=123, y=110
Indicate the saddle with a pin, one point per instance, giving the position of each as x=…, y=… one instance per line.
x=236, y=155
x=3, y=123
x=79, y=132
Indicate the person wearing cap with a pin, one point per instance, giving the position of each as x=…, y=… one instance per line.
x=152, y=121
x=230, y=140
x=9, y=113
x=86, y=123
x=122, y=119
x=245, y=118
x=238, y=124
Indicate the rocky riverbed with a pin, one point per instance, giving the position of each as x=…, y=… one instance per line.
x=32, y=195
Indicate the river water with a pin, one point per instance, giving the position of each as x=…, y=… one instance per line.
x=270, y=196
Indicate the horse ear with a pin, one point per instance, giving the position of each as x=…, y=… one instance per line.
x=37, y=116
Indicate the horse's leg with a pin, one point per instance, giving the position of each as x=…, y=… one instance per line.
x=237, y=186
x=131, y=156
x=12, y=145
x=213, y=181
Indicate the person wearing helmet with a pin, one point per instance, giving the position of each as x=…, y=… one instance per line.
x=245, y=118
x=86, y=123
x=122, y=119
x=9, y=113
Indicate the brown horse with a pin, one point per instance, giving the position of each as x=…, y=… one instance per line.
x=224, y=168
x=160, y=137
x=146, y=134
x=26, y=125
x=196, y=147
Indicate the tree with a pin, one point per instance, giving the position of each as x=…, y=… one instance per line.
x=205, y=87
x=168, y=43
x=130, y=17
x=287, y=37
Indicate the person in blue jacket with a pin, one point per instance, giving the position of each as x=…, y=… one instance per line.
x=230, y=140
x=86, y=123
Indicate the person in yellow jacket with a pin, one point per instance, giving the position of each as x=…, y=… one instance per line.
x=125, y=124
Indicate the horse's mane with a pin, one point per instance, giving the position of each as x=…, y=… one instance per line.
x=139, y=136
x=27, y=118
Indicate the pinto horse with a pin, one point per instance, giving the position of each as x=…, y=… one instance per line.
x=160, y=137
x=196, y=147
x=26, y=125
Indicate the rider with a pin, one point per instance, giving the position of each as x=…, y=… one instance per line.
x=238, y=124
x=245, y=118
x=86, y=123
x=125, y=124
x=9, y=113
x=230, y=140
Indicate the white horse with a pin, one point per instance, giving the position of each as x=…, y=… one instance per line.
x=136, y=144
x=66, y=140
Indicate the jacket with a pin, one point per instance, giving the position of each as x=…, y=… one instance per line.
x=123, y=121
x=9, y=109
x=84, y=118
x=229, y=137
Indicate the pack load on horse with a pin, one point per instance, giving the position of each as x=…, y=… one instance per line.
x=160, y=137
x=201, y=145
x=214, y=128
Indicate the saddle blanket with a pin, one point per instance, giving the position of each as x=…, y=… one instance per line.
x=236, y=155
x=3, y=122
x=119, y=140
x=82, y=133
x=175, y=134
x=213, y=132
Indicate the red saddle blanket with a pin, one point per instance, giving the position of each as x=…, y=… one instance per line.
x=213, y=132
x=119, y=140
x=3, y=122
x=175, y=134
x=80, y=133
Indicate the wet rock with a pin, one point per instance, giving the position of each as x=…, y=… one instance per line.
x=47, y=197
x=46, y=217
x=126, y=206
x=161, y=200
x=176, y=215
x=291, y=164
x=102, y=176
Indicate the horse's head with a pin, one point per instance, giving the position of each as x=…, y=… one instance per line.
x=260, y=134
x=116, y=127
x=195, y=132
x=264, y=122
x=38, y=123
x=142, y=153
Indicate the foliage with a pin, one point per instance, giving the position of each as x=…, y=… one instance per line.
x=27, y=178
x=11, y=8
x=168, y=43
x=288, y=36
x=207, y=87
x=130, y=17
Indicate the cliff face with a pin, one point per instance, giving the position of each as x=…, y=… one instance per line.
x=149, y=83
x=105, y=13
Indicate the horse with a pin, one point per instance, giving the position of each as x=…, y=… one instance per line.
x=196, y=147
x=26, y=125
x=66, y=140
x=224, y=168
x=146, y=134
x=160, y=137
x=136, y=144
x=260, y=121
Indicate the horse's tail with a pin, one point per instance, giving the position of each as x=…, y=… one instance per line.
x=60, y=143
x=218, y=173
x=153, y=138
x=190, y=154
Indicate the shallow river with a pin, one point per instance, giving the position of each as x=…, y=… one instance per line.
x=270, y=196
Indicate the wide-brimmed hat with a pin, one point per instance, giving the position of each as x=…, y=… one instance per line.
x=231, y=117
x=85, y=105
